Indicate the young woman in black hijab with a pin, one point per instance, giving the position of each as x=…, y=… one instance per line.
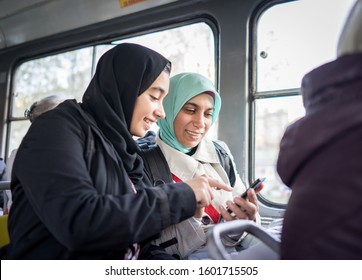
x=77, y=183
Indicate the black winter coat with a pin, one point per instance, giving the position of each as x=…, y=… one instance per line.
x=78, y=215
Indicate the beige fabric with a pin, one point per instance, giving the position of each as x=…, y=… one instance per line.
x=204, y=161
x=191, y=234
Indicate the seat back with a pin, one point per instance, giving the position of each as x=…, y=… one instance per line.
x=4, y=233
x=267, y=249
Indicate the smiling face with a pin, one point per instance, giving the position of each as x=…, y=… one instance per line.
x=194, y=120
x=149, y=108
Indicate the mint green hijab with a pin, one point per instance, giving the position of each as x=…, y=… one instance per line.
x=183, y=87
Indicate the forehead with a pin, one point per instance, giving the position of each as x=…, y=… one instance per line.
x=161, y=84
x=202, y=99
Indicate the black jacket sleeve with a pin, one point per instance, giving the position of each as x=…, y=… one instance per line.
x=62, y=195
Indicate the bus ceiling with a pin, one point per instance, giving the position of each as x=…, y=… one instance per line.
x=26, y=20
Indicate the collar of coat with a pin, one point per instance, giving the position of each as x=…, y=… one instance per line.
x=185, y=166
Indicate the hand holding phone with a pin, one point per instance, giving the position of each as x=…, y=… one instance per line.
x=253, y=186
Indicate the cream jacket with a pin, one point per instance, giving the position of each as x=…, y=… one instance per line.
x=190, y=235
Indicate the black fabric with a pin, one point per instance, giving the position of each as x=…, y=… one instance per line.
x=226, y=163
x=169, y=243
x=72, y=196
x=121, y=76
x=156, y=166
x=2, y=169
x=3, y=252
x=2, y=173
x=153, y=252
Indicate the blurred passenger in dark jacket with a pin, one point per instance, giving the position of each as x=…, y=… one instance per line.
x=321, y=158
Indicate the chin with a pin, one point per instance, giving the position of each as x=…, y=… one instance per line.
x=191, y=145
x=138, y=133
x=141, y=134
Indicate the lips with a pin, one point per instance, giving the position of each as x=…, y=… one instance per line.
x=148, y=122
x=194, y=135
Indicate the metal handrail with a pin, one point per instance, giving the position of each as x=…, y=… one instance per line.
x=5, y=185
x=216, y=248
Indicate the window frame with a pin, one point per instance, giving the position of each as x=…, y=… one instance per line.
x=254, y=95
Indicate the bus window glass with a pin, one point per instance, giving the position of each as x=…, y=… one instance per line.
x=18, y=130
x=292, y=39
x=66, y=73
x=272, y=116
x=189, y=48
x=295, y=37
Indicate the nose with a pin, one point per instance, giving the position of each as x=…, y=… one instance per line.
x=198, y=121
x=160, y=112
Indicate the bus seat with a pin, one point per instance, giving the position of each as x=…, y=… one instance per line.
x=4, y=234
x=350, y=39
x=267, y=249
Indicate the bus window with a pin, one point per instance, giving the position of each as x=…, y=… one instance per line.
x=292, y=39
x=190, y=48
x=65, y=73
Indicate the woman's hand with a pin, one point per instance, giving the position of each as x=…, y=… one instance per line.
x=242, y=208
x=199, y=212
x=203, y=189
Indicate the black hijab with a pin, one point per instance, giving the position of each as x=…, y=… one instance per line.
x=122, y=74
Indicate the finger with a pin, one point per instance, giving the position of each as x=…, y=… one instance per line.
x=225, y=214
x=206, y=197
x=249, y=208
x=239, y=212
x=209, y=190
x=211, y=193
x=199, y=212
x=252, y=197
x=202, y=203
x=241, y=202
x=217, y=185
x=258, y=189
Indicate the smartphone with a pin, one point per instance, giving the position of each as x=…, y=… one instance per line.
x=254, y=185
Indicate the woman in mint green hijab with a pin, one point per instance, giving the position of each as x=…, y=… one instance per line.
x=192, y=106
x=184, y=87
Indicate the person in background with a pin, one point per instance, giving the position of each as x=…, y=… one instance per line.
x=36, y=109
x=191, y=107
x=77, y=182
x=43, y=105
x=320, y=158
